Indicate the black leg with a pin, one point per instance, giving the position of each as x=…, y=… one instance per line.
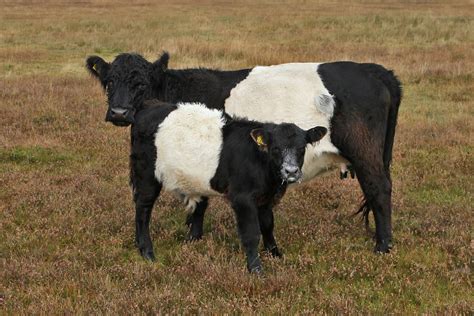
x=377, y=190
x=364, y=148
x=249, y=230
x=145, y=197
x=382, y=206
x=195, y=220
x=265, y=218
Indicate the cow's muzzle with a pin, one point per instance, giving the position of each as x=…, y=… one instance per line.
x=291, y=174
x=120, y=116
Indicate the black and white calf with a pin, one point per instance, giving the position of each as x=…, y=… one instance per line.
x=195, y=151
x=357, y=102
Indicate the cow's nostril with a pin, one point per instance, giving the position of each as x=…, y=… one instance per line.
x=290, y=170
x=119, y=112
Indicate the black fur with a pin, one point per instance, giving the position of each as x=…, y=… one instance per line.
x=363, y=127
x=130, y=79
x=249, y=176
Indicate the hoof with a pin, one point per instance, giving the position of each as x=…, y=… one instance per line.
x=193, y=237
x=255, y=267
x=148, y=255
x=195, y=229
x=384, y=246
x=195, y=233
x=256, y=270
x=275, y=252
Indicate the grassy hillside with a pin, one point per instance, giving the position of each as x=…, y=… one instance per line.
x=66, y=214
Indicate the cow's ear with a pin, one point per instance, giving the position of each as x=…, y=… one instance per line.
x=315, y=134
x=160, y=66
x=98, y=68
x=259, y=137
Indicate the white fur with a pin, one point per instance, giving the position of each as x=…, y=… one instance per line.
x=292, y=93
x=188, y=145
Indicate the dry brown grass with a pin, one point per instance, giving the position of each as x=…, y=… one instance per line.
x=66, y=219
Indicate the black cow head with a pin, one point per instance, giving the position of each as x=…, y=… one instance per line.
x=128, y=81
x=286, y=145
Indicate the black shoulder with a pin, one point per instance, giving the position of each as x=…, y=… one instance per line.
x=151, y=116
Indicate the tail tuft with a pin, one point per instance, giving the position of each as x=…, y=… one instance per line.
x=364, y=210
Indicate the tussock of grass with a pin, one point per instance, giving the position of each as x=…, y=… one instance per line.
x=66, y=215
x=33, y=156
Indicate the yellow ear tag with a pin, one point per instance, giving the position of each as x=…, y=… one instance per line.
x=94, y=67
x=260, y=141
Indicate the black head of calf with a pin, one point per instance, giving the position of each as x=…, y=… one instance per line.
x=285, y=144
x=128, y=81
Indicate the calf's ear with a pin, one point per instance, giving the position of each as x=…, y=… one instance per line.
x=98, y=68
x=315, y=134
x=259, y=137
x=160, y=66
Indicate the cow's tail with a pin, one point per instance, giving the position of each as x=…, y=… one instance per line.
x=394, y=87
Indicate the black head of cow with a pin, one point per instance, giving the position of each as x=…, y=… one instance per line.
x=128, y=81
x=285, y=145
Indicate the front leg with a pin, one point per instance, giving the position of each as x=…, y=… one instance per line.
x=146, y=190
x=248, y=226
x=145, y=197
x=265, y=219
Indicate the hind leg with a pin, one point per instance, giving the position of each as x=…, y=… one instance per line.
x=195, y=220
x=377, y=188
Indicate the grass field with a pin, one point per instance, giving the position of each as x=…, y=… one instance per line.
x=66, y=214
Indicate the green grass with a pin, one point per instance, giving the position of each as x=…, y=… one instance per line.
x=33, y=156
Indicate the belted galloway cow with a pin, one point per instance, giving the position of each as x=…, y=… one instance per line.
x=357, y=102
